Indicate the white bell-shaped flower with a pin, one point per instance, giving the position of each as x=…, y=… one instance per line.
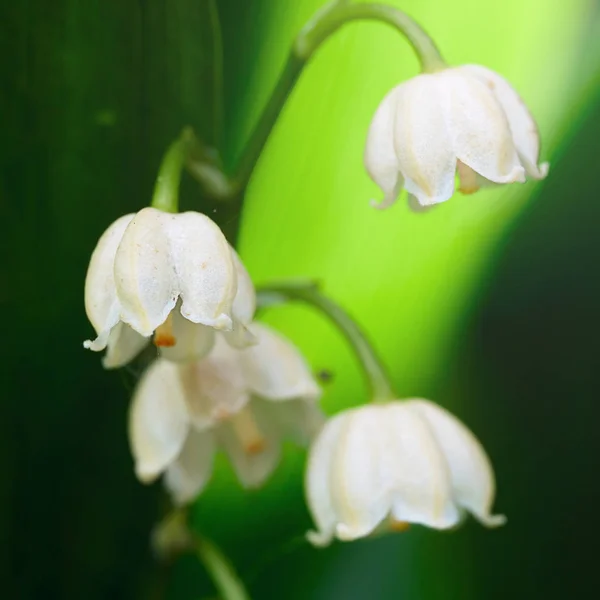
x=465, y=119
x=243, y=401
x=387, y=465
x=173, y=275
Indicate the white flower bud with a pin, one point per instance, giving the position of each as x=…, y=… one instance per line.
x=173, y=275
x=465, y=119
x=397, y=463
x=246, y=401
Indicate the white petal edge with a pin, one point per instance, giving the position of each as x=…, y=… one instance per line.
x=380, y=158
x=298, y=420
x=522, y=124
x=361, y=499
x=206, y=272
x=100, y=295
x=244, y=307
x=318, y=480
x=193, y=341
x=422, y=142
x=478, y=127
x=158, y=420
x=472, y=476
x=215, y=387
x=187, y=476
x=275, y=369
x=124, y=344
x=414, y=468
x=252, y=468
x=145, y=276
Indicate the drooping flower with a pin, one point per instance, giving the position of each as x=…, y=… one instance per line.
x=243, y=401
x=173, y=275
x=387, y=465
x=465, y=119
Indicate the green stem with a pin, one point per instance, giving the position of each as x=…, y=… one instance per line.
x=308, y=292
x=226, y=580
x=166, y=188
x=324, y=24
x=327, y=22
x=253, y=149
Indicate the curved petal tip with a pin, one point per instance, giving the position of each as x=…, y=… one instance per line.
x=319, y=539
x=538, y=172
x=145, y=476
x=99, y=343
x=383, y=204
x=492, y=521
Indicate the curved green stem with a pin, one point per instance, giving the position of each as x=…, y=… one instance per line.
x=328, y=21
x=166, y=188
x=323, y=25
x=173, y=536
x=226, y=580
x=308, y=292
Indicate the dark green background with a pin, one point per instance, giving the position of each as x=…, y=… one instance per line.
x=91, y=94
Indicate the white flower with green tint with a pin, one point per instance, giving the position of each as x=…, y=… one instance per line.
x=243, y=401
x=390, y=464
x=171, y=275
x=466, y=120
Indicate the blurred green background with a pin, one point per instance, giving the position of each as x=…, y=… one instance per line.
x=487, y=304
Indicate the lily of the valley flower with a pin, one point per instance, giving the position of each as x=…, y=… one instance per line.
x=173, y=275
x=465, y=119
x=393, y=464
x=244, y=401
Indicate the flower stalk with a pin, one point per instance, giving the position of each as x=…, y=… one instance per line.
x=173, y=536
x=327, y=22
x=166, y=188
x=320, y=28
x=222, y=573
x=309, y=293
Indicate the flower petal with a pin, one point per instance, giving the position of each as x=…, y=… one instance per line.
x=360, y=495
x=124, y=344
x=318, y=480
x=298, y=419
x=193, y=341
x=244, y=307
x=413, y=467
x=522, y=125
x=421, y=140
x=478, y=127
x=215, y=387
x=101, y=304
x=188, y=474
x=252, y=464
x=275, y=369
x=380, y=157
x=472, y=476
x=158, y=420
x=145, y=275
x=206, y=272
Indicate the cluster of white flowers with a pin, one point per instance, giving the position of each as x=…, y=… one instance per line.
x=223, y=381
x=220, y=380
